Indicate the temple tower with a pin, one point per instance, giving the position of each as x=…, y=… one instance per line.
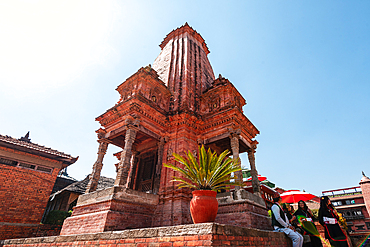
x=173, y=106
x=184, y=68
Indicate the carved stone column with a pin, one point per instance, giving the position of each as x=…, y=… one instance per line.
x=98, y=165
x=252, y=162
x=158, y=168
x=133, y=168
x=234, y=142
x=124, y=164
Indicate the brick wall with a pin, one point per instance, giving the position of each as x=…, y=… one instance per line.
x=28, y=231
x=24, y=194
x=365, y=187
x=208, y=234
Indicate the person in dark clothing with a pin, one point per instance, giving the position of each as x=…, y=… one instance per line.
x=306, y=212
x=328, y=218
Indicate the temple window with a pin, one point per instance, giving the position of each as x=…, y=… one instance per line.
x=154, y=99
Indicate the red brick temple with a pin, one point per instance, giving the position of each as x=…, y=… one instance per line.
x=173, y=106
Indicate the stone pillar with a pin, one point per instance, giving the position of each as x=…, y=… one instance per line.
x=124, y=164
x=133, y=168
x=158, y=167
x=98, y=165
x=252, y=162
x=234, y=142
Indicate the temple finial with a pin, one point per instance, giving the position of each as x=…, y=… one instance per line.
x=363, y=174
x=26, y=137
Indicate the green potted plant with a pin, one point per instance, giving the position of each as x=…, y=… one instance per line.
x=206, y=175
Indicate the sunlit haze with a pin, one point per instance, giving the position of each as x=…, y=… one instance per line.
x=303, y=68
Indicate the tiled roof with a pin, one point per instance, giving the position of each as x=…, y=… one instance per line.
x=34, y=147
x=80, y=186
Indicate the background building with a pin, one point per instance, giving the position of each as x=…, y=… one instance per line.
x=350, y=203
x=27, y=175
x=354, y=204
x=66, y=198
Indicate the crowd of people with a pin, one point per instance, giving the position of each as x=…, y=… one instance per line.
x=296, y=224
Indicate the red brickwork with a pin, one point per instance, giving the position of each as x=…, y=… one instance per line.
x=24, y=231
x=173, y=208
x=27, y=175
x=23, y=197
x=24, y=194
x=195, y=235
x=245, y=215
x=365, y=187
x=108, y=216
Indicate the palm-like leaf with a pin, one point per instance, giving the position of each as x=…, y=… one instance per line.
x=210, y=172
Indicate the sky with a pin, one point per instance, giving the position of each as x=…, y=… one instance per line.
x=302, y=66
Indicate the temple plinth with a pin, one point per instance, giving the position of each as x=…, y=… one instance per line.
x=173, y=106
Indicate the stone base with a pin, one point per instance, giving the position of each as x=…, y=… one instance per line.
x=207, y=234
x=173, y=208
x=114, y=208
x=242, y=208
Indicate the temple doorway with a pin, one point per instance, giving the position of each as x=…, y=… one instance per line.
x=146, y=171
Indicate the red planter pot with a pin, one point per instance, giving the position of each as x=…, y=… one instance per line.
x=203, y=206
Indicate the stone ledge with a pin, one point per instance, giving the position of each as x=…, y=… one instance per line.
x=117, y=193
x=240, y=196
x=170, y=231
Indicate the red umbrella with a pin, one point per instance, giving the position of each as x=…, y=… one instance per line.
x=293, y=196
x=260, y=178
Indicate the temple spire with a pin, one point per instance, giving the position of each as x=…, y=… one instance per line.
x=184, y=67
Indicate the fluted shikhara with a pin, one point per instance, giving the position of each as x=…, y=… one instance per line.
x=184, y=67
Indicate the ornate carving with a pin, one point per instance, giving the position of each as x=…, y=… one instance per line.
x=200, y=141
x=234, y=143
x=101, y=133
x=160, y=144
x=98, y=165
x=133, y=167
x=254, y=173
x=169, y=153
x=158, y=168
x=124, y=164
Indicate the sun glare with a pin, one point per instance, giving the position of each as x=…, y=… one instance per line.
x=45, y=44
